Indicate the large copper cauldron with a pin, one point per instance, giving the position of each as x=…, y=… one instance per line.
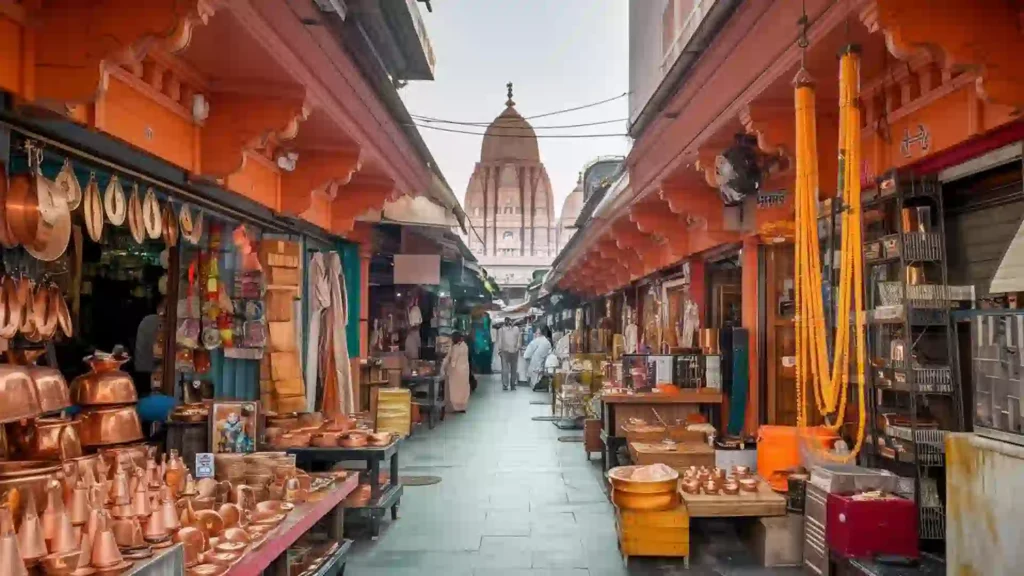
x=18, y=396
x=106, y=384
x=48, y=439
x=112, y=425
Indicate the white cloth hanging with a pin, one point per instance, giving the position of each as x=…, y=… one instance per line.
x=415, y=316
x=630, y=338
x=319, y=300
x=339, y=316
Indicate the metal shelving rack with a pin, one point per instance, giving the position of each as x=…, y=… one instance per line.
x=909, y=317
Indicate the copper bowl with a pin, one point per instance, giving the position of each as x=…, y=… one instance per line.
x=748, y=484
x=731, y=488
x=267, y=518
x=379, y=439
x=325, y=439
x=205, y=569
x=339, y=424
x=354, y=439
x=235, y=535
x=310, y=419
x=710, y=488
x=274, y=507
x=645, y=501
x=230, y=547
x=106, y=426
x=19, y=399
x=293, y=440
x=621, y=480
x=51, y=387
x=691, y=486
x=105, y=384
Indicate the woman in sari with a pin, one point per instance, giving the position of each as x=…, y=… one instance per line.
x=455, y=371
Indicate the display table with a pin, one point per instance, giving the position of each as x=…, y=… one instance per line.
x=619, y=408
x=298, y=522
x=764, y=502
x=382, y=496
x=432, y=404
x=680, y=456
x=166, y=562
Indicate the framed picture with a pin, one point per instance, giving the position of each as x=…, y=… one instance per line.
x=233, y=427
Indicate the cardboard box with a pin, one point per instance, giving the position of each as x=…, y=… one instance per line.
x=278, y=276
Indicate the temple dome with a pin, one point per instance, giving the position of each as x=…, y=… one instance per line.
x=573, y=205
x=509, y=138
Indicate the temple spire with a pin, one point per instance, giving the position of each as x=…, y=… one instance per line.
x=509, y=102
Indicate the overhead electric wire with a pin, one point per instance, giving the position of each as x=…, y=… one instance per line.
x=531, y=136
x=544, y=115
x=503, y=127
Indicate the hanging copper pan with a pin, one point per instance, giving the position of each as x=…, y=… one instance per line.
x=92, y=208
x=13, y=308
x=114, y=204
x=22, y=208
x=24, y=293
x=185, y=220
x=67, y=183
x=53, y=235
x=44, y=311
x=63, y=314
x=6, y=238
x=135, y=217
x=151, y=215
x=197, y=228
x=170, y=226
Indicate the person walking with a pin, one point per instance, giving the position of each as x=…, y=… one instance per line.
x=508, y=347
x=455, y=371
x=537, y=354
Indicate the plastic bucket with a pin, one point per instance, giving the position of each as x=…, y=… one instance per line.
x=781, y=448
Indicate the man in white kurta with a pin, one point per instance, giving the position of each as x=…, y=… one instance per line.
x=455, y=371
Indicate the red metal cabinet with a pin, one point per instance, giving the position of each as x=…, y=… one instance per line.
x=869, y=528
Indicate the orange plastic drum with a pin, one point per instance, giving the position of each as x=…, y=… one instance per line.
x=779, y=450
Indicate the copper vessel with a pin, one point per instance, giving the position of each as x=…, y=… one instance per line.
x=236, y=535
x=60, y=563
x=156, y=531
x=339, y=424
x=105, y=384
x=51, y=388
x=18, y=397
x=275, y=507
x=170, y=514
x=235, y=548
x=206, y=487
x=175, y=473
x=105, y=553
x=209, y=522
x=354, y=439
x=140, y=501
x=113, y=425
x=621, y=481
x=205, y=569
x=190, y=488
x=53, y=510
x=192, y=541
x=10, y=557
x=84, y=567
x=379, y=439
x=79, y=507
x=127, y=457
x=325, y=439
x=225, y=559
x=30, y=478
x=21, y=204
x=64, y=540
x=50, y=439
x=231, y=514
x=645, y=501
x=31, y=541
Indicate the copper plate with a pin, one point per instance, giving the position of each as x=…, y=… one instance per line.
x=151, y=215
x=185, y=220
x=92, y=207
x=197, y=229
x=170, y=226
x=114, y=204
x=67, y=184
x=53, y=237
x=64, y=316
x=12, y=308
x=136, y=223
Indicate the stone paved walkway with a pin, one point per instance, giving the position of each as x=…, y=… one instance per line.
x=513, y=501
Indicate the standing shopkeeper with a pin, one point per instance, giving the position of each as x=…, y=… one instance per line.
x=508, y=346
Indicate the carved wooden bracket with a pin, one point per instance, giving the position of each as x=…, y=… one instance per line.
x=356, y=198
x=706, y=164
x=76, y=37
x=695, y=203
x=240, y=122
x=983, y=36
x=774, y=124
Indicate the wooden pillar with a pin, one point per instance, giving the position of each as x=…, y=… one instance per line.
x=749, y=262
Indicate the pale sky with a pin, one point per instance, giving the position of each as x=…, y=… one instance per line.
x=557, y=53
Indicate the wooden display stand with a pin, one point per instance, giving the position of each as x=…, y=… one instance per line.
x=680, y=457
x=764, y=502
x=662, y=533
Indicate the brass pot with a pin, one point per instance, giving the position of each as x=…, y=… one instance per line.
x=106, y=426
x=105, y=384
x=645, y=501
x=621, y=482
x=49, y=439
x=18, y=397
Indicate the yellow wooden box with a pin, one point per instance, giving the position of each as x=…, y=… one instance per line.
x=660, y=533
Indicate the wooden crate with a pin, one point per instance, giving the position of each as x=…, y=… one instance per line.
x=654, y=434
x=592, y=436
x=680, y=458
x=661, y=533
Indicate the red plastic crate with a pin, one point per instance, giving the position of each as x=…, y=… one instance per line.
x=870, y=528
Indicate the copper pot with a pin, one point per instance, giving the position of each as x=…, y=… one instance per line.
x=52, y=388
x=105, y=426
x=18, y=397
x=27, y=477
x=235, y=535
x=621, y=481
x=353, y=439
x=50, y=439
x=105, y=383
x=379, y=439
x=339, y=424
x=326, y=439
x=645, y=501
x=192, y=541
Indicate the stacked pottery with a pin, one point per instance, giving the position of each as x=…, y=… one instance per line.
x=107, y=397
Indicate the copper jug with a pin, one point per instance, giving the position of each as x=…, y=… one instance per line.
x=105, y=384
x=175, y=474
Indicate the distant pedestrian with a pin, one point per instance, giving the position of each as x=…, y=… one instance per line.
x=536, y=354
x=455, y=371
x=509, y=341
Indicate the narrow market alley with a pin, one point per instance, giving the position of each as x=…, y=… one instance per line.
x=513, y=500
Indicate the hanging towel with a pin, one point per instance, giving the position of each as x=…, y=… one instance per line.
x=319, y=300
x=339, y=320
